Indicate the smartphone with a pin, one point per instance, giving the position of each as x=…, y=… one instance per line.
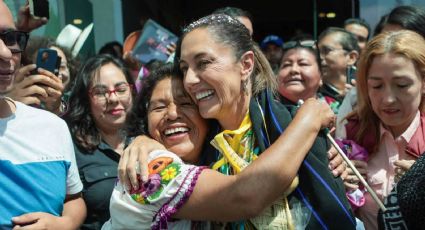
x=351, y=74
x=48, y=59
x=39, y=8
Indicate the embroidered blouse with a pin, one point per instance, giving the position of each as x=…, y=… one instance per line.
x=170, y=184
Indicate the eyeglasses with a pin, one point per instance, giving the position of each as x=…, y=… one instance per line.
x=305, y=43
x=102, y=94
x=326, y=50
x=15, y=40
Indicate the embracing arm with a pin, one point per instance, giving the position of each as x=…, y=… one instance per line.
x=228, y=198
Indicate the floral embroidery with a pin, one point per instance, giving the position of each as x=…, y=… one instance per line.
x=139, y=199
x=157, y=182
x=156, y=194
x=170, y=172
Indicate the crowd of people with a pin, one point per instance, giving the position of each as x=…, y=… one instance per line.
x=230, y=134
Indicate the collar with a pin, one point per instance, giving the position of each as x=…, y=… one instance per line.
x=414, y=136
x=407, y=134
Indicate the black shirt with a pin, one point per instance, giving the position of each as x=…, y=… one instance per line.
x=98, y=172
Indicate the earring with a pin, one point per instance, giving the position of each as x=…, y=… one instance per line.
x=245, y=86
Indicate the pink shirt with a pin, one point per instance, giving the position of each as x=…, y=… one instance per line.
x=381, y=169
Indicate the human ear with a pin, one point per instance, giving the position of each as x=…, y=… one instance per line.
x=247, y=65
x=353, y=56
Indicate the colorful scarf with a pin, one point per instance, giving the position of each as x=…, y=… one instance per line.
x=237, y=152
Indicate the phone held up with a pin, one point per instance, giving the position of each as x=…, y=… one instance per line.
x=351, y=74
x=39, y=8
x=49, y=60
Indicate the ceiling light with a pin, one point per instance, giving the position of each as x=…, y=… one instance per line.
x=331, y=15
x=77, y=21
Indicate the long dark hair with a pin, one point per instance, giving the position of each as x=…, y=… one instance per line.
x=408, y=17
x=79, y=118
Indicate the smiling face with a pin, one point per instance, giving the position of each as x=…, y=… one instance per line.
x=174, y=120
x=9, y=62
x=299, y=75
x=395, y=88
x=213, y=76
x=110, y=114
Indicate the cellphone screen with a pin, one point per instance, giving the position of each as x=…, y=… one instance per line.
x=39, y=8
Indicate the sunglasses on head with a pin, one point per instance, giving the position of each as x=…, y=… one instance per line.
x=304, y=43
x=15, y=40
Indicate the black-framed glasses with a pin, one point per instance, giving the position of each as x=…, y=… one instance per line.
x=312, y=44
x=15, y=40
x=102, y=94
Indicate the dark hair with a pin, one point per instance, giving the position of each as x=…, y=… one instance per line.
x=301, y=37
x=154, y=64
x=234, y=12
x=137, y=118
x=80, y=121
x=313, y=50
x=408, y=17
x=109, y=48
x=380, y=25
x=229, y=31
x=347, y=39
x=358, y=21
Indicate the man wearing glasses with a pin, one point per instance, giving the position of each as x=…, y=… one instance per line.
x=43, y=88
x=39, y=181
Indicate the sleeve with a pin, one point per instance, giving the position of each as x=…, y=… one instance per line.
x=73, y=182
x=171, y=182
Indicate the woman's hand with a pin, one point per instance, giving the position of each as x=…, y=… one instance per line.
x=337, y=164
x=171, y=48
x=136, y=155
x=317, y=112
x=351, y=181
x=132, y=62
x=401, y=167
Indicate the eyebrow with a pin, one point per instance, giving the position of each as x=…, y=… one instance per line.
x=200, y=55
x=116, y=84
x=197, y=56
x=403, y=77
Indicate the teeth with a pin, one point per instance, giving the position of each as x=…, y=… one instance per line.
x=175, y=130
x=204, y=94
